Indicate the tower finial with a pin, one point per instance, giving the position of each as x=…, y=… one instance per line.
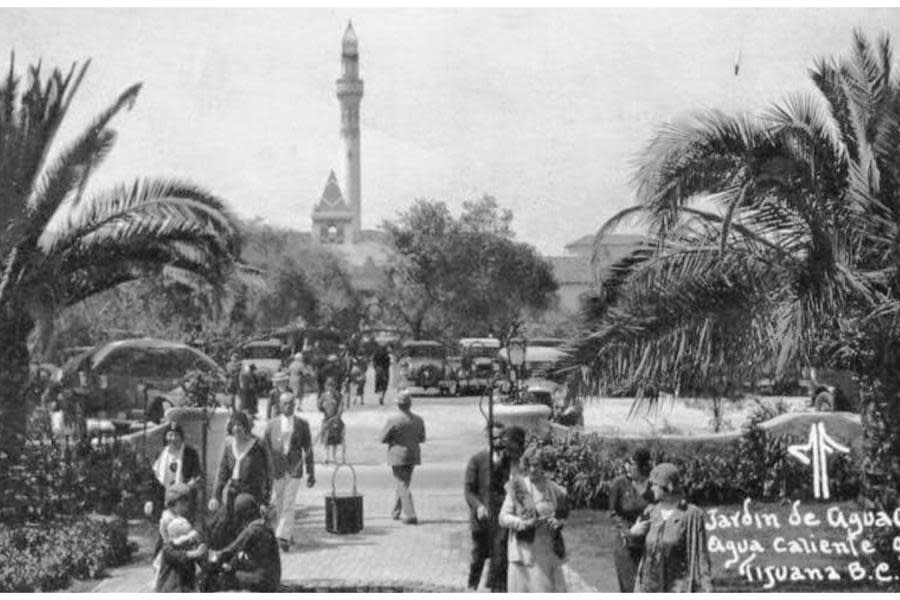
x=349, y=42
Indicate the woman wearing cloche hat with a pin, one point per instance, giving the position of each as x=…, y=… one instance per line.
x=675, y=558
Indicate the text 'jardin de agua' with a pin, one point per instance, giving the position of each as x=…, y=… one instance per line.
x=774, y=545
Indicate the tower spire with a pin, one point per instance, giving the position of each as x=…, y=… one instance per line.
x=350, y=93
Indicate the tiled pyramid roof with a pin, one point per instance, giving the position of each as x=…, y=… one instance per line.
x=332, y=198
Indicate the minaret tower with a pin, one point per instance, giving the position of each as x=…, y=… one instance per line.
x=350, y=92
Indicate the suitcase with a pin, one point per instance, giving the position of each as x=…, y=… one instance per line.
x=343, y=512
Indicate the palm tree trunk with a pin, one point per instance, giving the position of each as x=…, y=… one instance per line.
x=15, y=325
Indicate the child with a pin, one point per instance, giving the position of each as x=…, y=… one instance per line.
x=181, y=544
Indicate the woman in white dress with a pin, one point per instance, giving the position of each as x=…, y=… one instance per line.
x=533, y=511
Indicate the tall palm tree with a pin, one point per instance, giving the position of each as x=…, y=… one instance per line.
x=776, y=243
x=59, y=246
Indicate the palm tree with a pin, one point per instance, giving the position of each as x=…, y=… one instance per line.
x=776, y=243
x=58, y=246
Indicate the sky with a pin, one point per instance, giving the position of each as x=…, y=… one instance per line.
x=545, y=109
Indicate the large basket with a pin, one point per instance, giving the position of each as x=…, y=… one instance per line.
x=343, y=512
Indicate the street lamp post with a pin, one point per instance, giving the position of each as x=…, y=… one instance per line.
x=515, y=353
x=516, y=349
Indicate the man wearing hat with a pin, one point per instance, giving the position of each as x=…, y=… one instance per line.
x=404, y=432
x=488, y=538
x=178, y=463
x=280, y=389
x=288, y=443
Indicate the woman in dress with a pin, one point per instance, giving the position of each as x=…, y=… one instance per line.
x=629, y=496
x=332, y=432
x=533, y=511
x=244, y=469
x=675, y=558
x=177, y=463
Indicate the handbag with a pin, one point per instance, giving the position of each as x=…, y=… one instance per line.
x=526, y=535
x=559, y=544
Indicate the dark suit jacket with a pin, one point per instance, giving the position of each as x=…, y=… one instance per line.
x=300, y=446
x=253, y=477
x=403, y=433
x=476, y=487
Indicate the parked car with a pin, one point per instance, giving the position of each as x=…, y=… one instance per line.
x=832, y=390
x=110, y=379
x=477, y=364
x=267, y=355
x=423, y=363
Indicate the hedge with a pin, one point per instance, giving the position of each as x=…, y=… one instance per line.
x=47, y=556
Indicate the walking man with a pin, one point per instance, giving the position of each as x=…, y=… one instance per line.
x=403, y=433
x=488, y=538
x=289, y=445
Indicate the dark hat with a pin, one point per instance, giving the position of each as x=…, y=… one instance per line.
x=174, y=426
x=245, y=507
x=176, y=492
x=665, y=475
x=513, y=435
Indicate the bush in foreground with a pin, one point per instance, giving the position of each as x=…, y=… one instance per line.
x=47, y=556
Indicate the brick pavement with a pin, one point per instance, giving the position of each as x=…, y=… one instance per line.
x=430, y=556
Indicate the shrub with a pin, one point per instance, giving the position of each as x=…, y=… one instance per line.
x=53, y=479
x=756, y=466
x=47, y=556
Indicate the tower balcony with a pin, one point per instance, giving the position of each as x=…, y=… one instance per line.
x=349, y=88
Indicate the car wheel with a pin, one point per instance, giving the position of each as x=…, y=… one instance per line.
x=824, y=402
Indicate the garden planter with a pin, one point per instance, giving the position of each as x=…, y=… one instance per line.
x=533, y=418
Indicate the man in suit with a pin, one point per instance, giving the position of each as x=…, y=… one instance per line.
x=288, y=443
x=488, y=538
x=403, y=433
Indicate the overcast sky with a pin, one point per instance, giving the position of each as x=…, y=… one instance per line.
x=542, y=108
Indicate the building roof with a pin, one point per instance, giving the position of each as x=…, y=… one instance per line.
x=332, y=199
x=572, y=269
x=612, y=239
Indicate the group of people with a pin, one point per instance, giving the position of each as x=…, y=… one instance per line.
x=517, y=516
x=661, y=538
x=251, y=509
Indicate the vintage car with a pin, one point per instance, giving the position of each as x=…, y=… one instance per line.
x=832, y=390
x=130, y=379
x=267, y=355
x=477, y=363
x=423, y=364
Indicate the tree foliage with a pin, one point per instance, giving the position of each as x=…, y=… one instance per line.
x=463, y=277
x=60, y=243
x=775, y=246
